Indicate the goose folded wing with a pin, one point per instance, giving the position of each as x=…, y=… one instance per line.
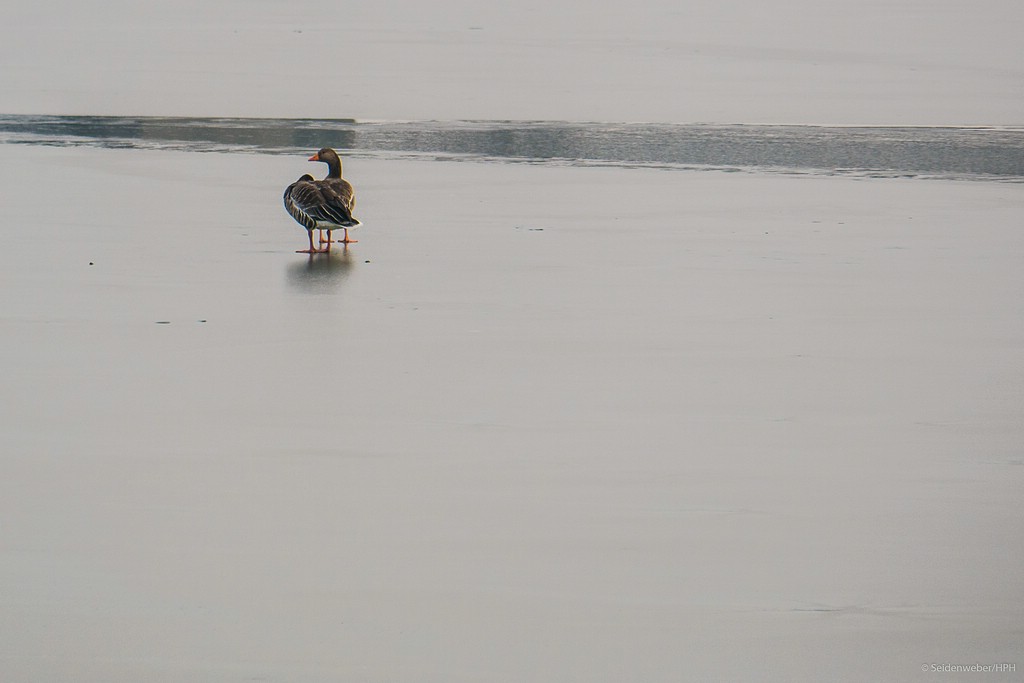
x=306, y=196
x=316, y=204
x=336, y=206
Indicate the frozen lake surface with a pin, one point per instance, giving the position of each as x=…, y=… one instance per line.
x=543, y=422
x=713, y=371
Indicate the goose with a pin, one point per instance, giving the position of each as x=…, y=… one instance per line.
x=322, y=204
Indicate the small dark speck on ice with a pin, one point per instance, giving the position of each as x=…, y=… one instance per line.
x=163, y=322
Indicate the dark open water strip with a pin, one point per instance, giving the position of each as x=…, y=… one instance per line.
x=919, y=152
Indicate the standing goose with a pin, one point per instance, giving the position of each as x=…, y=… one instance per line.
x=322, y=204
x=306, y=188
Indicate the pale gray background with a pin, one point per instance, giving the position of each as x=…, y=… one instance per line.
x=945, y=62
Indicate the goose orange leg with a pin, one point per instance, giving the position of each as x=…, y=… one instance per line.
x=312, y=249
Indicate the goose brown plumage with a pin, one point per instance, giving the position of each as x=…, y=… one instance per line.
x=322, y=204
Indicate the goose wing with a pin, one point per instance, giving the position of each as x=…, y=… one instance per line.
x=301, y=199
x=323, y=202
x=311, y=202
x=339, y=200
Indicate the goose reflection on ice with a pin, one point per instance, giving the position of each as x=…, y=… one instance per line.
x=320, y=273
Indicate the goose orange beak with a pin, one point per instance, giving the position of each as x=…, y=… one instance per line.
x=315, y=157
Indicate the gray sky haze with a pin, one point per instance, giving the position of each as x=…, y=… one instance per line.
x=946, y=62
